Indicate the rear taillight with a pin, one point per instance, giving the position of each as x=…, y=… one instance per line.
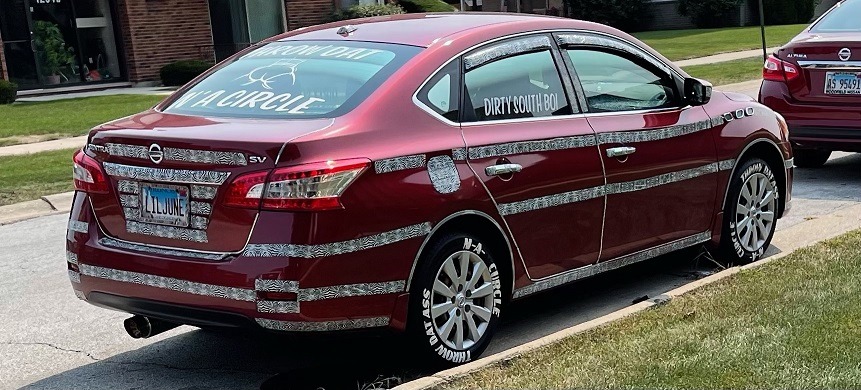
x=776, y=69
x=88, y=174
x=245, y=191
x=309, y=187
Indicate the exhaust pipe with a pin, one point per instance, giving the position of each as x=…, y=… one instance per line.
x=141, y=327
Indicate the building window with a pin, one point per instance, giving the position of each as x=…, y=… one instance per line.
x=236, y=24
x=349, y=3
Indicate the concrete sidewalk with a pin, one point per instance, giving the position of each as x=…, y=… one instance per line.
x=724, y=57
x=46, y=146
x=104, y=92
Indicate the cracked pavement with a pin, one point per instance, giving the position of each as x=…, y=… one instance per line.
x=52, y=340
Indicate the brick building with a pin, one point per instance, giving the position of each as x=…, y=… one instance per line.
x=70, y=44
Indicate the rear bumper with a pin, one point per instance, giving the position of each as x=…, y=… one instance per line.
x=269, y=291
x=831, y=138
x=833, y=127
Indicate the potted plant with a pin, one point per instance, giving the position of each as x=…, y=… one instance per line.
x=51, y=49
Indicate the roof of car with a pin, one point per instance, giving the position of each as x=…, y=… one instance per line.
x=421, y=29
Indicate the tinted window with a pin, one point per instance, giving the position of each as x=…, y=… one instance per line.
x=521, y=86
x=441, y=93
x=615, y=83
x=294, y=80
x=847, y=17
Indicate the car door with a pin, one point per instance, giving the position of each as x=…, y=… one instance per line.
x=658, y=153
x=534, y=152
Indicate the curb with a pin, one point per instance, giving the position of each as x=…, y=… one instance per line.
x=795, y=237
x=46, y=205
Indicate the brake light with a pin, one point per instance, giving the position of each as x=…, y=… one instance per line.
x=245, y=191
x=776, y=69
x=88, y=174
x=308, y=187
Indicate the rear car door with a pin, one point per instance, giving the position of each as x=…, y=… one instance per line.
x=534, y=152
x=658, y=154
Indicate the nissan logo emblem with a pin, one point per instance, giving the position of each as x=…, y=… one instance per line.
x=155, y=153
x=845, y=54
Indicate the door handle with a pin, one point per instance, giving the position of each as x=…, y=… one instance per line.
x=621, y=151
x=502, y=169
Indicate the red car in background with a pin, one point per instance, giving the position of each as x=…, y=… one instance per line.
x=416, y=173
x=814, y=81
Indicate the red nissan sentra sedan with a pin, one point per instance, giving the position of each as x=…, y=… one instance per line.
x=814, y=81
x=416, y=173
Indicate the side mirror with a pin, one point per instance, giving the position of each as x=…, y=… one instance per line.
x=697, y=92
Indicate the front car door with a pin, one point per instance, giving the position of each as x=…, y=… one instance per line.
x=534, y=152
x=658, y=152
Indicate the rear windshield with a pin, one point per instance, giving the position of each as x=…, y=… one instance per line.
x=294, y=79
x=846, y=17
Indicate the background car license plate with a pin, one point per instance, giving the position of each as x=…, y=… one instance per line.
x=164, y=204
x=842, y=83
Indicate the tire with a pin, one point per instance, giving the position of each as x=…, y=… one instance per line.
x=442, y=306
x=810, y=158
x=747, y=231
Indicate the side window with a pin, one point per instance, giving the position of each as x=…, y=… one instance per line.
x=520, y=86
x=612, y=82
x=442, y=94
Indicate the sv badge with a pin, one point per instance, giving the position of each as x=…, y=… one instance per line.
x=256, y=159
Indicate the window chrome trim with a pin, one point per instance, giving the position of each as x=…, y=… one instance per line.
x=594, y=39
x=504, y=50
x=521, y=120
x=444, y=120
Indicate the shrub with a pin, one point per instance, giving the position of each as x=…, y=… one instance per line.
x=710, y=13
x=367, y=10
x=8, y=92
x=415, y=6
x=181, y=72
x=626, y=15
x=785, y=11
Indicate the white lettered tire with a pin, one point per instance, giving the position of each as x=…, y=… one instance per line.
x=456, y=300
x=750, y=212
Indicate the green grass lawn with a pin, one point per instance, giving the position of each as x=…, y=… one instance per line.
x=722, y=73
x=31, y=176
x=683, y=44
x=24, y=122
x=794, y=323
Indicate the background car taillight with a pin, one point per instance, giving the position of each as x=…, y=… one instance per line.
x=776, y=69
x=309, y=187
x=88, y=174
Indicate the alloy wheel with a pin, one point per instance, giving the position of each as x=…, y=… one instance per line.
x=462, y=300
x=755, y=211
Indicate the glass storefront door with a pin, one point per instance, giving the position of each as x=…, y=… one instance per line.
x=59, y=42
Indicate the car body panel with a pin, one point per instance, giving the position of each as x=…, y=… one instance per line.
x=816, y=119
x=351, y=267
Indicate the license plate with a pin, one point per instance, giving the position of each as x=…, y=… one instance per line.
x=164, y=204
x=842, y=83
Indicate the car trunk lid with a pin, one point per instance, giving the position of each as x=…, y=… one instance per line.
x=830, y=68
x=169, y=173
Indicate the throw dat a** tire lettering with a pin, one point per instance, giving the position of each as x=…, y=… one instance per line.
x=437, y=345
x=737, y=232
